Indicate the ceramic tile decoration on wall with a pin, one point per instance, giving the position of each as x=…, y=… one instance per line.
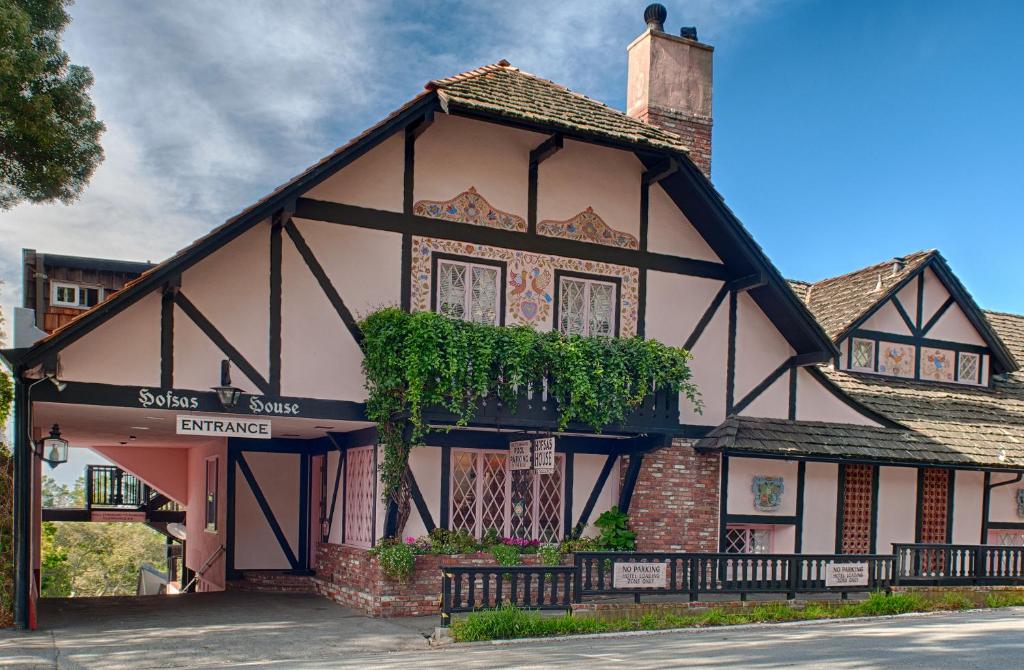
x=767, y=493
x=896, y=359
x=937, y=364
x=470, y=207
x=530, y=287
x=587, y=226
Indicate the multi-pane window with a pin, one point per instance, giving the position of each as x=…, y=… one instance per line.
x=468, y=291
x=586, y=307
x=211, y=493
x=740, y=539
x=485, y=496
x=968, y=365
x=863, y=354
x=1006, y=538
x=73, y=295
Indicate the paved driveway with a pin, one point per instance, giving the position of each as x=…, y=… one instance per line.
x=203, y=630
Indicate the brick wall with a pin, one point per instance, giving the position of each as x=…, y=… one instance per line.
x=676, y=499
x=695, y=131
x=351, y=577
x=271, y=581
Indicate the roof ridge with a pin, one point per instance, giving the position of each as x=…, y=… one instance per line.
x=924, y=253
x=1000, y=313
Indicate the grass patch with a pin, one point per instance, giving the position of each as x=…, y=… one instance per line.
x=510, y=622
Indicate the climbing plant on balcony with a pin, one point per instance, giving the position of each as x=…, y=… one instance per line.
x=413, y=361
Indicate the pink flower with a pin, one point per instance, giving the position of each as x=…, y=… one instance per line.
x=410, y=540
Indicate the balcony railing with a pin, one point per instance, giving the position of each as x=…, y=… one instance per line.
x=952, y=564
x=535, y=408
x=110, y=486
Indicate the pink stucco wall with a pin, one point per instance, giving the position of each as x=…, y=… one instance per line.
x=821, y=487
x=709, y=370
x=456, y=153
x=759, y=346
x=165, y=469
x=201, y=543
x=1003, y=506
x=670, y=232
x=123, y=350
x=585, y=175
x=968, y=494
x=897, y=507
x=373, y=180
x=815, y=403
x=256, y=547
x=887, y=320
x=741, y=477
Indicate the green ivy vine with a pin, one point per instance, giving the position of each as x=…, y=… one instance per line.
x=413, y=361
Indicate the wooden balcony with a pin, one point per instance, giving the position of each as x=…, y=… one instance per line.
x=535, y=409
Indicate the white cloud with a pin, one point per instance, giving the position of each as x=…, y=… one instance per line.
x=209, y=106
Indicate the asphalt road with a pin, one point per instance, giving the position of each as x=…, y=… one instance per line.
x=968, y=640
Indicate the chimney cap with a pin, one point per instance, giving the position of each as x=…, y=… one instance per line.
x=689, y=32
x=655, y=16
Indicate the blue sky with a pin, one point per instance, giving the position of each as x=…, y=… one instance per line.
x=845, y=133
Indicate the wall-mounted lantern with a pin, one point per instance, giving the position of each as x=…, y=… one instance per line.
x=226, y=393
x=53, y=450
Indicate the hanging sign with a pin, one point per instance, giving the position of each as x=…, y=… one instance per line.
x=107, y=516
x=519, y=455
x=639, y=576
x=846, y=574
x=216, y=426
x=544, y=455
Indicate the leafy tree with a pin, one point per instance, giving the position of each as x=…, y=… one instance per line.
x=49, y=135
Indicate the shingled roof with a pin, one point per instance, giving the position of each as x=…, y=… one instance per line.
x=839, y=301
x=756, y=435
x=507, y=91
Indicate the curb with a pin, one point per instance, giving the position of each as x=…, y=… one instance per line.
x=695, y=630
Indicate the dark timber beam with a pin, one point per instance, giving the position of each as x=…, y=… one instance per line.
x=748, y=282
x=632, y=474
x=268, y=513
x=665, y=168
x=363, y=217
x=541, y=153
x=595, y=493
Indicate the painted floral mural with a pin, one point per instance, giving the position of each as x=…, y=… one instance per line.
x=470, y=207
x=937, y=364
x=587, y=226
x=530, y=289
x=896, y=359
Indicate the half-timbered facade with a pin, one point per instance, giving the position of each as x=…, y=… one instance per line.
x=499, y=197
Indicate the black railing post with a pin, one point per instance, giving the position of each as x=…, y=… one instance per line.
x=976, y=564
x=577, y=579
x=794, y=577
x=88, y=487
x=446, y=601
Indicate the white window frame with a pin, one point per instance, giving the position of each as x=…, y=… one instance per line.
x=506, y=530
x=468, y=288
x=79, y=290
x=853, y=354
x=977, y=369
x=588, y=283
x=750, y=529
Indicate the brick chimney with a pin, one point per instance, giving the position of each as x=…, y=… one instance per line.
x=669, y=84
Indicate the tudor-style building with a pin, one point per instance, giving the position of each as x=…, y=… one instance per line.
x=499, y=197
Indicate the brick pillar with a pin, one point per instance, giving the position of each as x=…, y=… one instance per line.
x=676, y=500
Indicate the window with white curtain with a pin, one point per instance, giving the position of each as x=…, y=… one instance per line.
x=586, y=307
x=468, y=291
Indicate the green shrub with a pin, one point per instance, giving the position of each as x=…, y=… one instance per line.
x=774, y=612
x=509, y=622
x=505, y=554
x=953, y=600
x=491, y=537
x=550, y=554
x=397, y=559
x=615, y=532
x=880, y=603
x=571, y=546
x=452, y=542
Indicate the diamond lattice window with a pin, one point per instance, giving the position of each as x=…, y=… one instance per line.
x=968, y=367
x=485, y=495
x=586, y=307
x=748, y=540
x=359, y=498
x=857, y=512
x=864, y=354
x=468, y=291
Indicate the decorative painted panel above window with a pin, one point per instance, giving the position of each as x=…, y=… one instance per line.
x=73, y=295
x=896, y=360
x=863, y=355
x=470, y=207
x=586, y=306
x=587, y=226
x=937, y=364
x=468, y=291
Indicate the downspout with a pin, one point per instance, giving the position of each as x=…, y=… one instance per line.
x=22, y=505
x=986, y=501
